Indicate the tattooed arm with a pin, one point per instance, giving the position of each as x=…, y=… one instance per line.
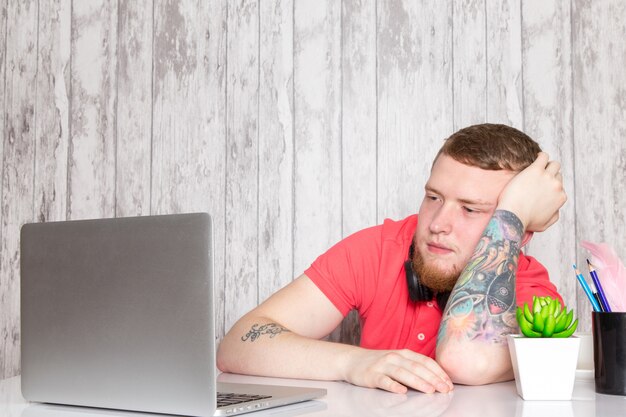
x=471, y=344
x=481, y=308
x=279, y=337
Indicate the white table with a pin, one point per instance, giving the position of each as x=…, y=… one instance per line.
x=498, y=400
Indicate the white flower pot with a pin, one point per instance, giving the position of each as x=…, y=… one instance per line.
x=545, y=368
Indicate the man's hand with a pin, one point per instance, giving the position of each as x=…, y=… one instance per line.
x=395, y=370
x=535, y=194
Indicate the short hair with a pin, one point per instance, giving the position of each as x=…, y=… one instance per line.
x=491, y=147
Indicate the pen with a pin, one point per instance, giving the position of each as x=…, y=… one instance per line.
x=597, y=297
x=596, y=281
x=583, y=283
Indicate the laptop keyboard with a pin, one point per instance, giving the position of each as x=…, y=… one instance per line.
x=224, y=399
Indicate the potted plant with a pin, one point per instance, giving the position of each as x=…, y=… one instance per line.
x=544, y=356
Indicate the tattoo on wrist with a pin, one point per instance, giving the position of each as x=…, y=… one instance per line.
x=482, y=304
x=272, y=329
x=510, y=225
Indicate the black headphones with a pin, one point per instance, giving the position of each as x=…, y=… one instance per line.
x=417, y=290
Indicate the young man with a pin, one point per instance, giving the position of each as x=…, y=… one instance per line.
x=489, y=189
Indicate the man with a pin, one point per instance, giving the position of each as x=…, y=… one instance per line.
x=489, y=189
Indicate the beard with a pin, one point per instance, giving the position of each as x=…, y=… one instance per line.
x=433, y=277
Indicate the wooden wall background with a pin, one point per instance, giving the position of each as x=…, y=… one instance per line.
x=295, y=123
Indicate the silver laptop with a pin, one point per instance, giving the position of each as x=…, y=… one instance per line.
x=118, y=313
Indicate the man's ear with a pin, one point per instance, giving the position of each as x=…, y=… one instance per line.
x=526, y=238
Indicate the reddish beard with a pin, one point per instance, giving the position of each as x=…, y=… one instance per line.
x=433, y=277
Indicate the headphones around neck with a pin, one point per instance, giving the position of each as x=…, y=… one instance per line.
x=417, y=290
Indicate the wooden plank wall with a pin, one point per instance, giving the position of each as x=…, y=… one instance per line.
x=295, y=123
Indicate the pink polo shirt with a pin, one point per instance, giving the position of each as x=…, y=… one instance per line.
x=365, y=271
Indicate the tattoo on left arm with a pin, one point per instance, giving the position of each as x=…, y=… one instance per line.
x=257, y=330
x=482, y=303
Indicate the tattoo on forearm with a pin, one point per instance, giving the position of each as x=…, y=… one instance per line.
x=257, y=330
x=482, y=303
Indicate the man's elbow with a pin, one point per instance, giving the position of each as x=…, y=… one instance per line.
x=471, y=368
x=226, y=360
x=222, y=361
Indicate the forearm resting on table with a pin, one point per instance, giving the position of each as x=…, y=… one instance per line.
x=260, y=346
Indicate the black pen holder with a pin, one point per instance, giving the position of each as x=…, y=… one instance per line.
x=609, y=352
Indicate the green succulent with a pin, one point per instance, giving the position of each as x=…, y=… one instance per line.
x=546, y=319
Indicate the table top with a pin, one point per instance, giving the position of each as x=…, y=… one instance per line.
x=344, y=399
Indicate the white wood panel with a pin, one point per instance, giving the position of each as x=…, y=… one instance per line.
x=414, y=99
x=469, y=63
x=242, y=165
x=358, y=115
x=134, y=108
x=599, y=89
x=548, y=119
x=504, y=63
x=92, y=110
x=317, y=91
x=52, y=110
x=275, y=228
x=7, y=367
x=3, y=45
x=189, y=119
x=17, y=163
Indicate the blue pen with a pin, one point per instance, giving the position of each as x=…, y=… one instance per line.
x=596, y=281
x=583, y=283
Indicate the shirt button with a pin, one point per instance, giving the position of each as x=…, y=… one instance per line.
x=421, y=336
x=430, y=304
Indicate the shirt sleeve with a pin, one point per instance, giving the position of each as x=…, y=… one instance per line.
x=532, y=279
x=347, y=272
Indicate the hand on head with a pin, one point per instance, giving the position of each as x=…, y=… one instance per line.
x=535, y=194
